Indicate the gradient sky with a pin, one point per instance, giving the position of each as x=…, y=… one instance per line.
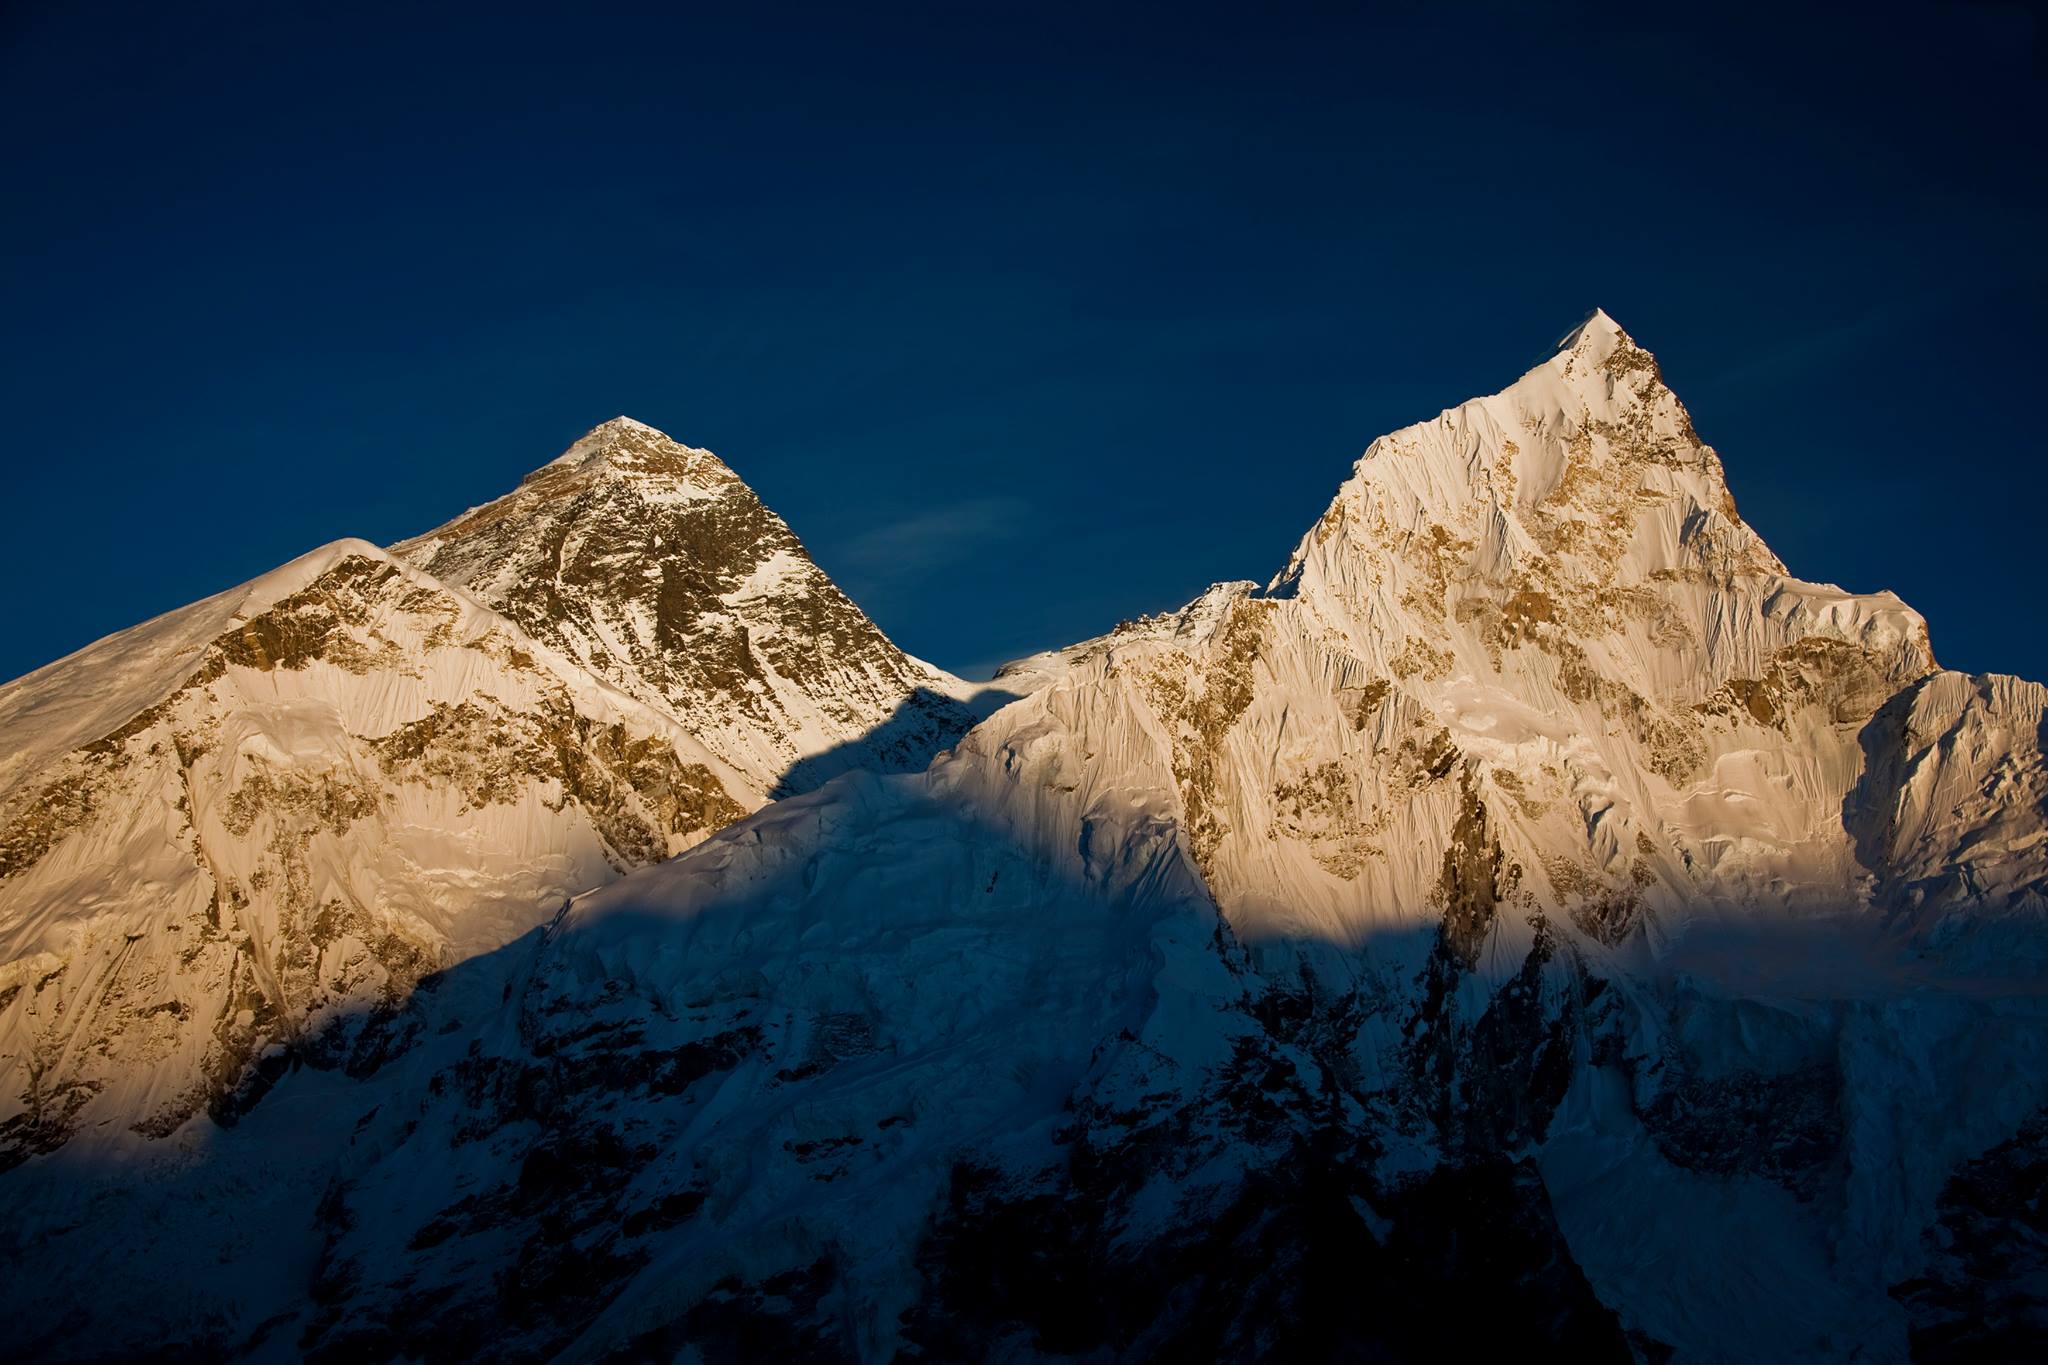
x=1026, y=318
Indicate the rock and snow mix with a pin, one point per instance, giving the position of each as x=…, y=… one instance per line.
x=1533, y=921
x=654, y=566
x=238, y=831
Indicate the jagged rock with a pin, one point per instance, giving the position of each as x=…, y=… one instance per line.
x=655, y=566
x=1533, y=923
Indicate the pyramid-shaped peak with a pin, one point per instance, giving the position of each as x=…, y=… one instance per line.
x=624, y=447
x=1600, y=346
x=628, y=430
x=613, y=434
x=1598, y=330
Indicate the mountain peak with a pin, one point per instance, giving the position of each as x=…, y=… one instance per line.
x=655, y=565
x=1542, y=858
x=1597, y=332
x=619, y=429
x=1584, y=484
x=625, y=446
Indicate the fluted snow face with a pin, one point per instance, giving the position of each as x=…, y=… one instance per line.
x=1538, y=620
x=1579, y=497
x=1535, y=897
x=1553, y=831
x=1952, y=807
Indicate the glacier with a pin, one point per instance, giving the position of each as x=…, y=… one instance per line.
x=1532, y=921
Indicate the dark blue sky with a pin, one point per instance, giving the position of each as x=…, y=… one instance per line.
x=1026, y=319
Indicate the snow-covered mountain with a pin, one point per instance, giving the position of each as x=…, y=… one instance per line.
x=653, y=565
x=238, y=829
x=1532, y=923
x=231, y=835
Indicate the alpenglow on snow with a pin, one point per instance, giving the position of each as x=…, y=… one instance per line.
x=1531, y=922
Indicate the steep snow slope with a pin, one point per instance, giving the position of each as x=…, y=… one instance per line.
x=1535, y=856
x=654, y=565
x=228, y=828
x=961, y=1063
x=969, y=1062
x=1531, y=712
x=1534, y=925
x=1537, y=622
x=1552, y=588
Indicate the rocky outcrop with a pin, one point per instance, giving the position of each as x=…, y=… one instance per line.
x=656, y=567
x=1534, y=923
x=359, y=777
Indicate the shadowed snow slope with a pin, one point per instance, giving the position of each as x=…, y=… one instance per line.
x=1533, y=924
x=227, y=829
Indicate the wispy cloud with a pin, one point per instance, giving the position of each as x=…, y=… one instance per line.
x=893, y=551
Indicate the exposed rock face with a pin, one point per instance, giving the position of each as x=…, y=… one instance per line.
x=1984, y=1292
x=655, y=566
x=1535, y=923
x=349, y=777
x=231, y=836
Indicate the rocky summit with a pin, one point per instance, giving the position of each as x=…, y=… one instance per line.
x=652, y=565
x=1531, y=923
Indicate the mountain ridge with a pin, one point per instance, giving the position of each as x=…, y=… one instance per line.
x=657, y=567
x=1532, y=896
x=412, y=778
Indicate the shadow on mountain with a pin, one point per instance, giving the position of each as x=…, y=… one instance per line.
x=536, y=1136
x=923, y=725
x=1870, y=807
x=571, y=1127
